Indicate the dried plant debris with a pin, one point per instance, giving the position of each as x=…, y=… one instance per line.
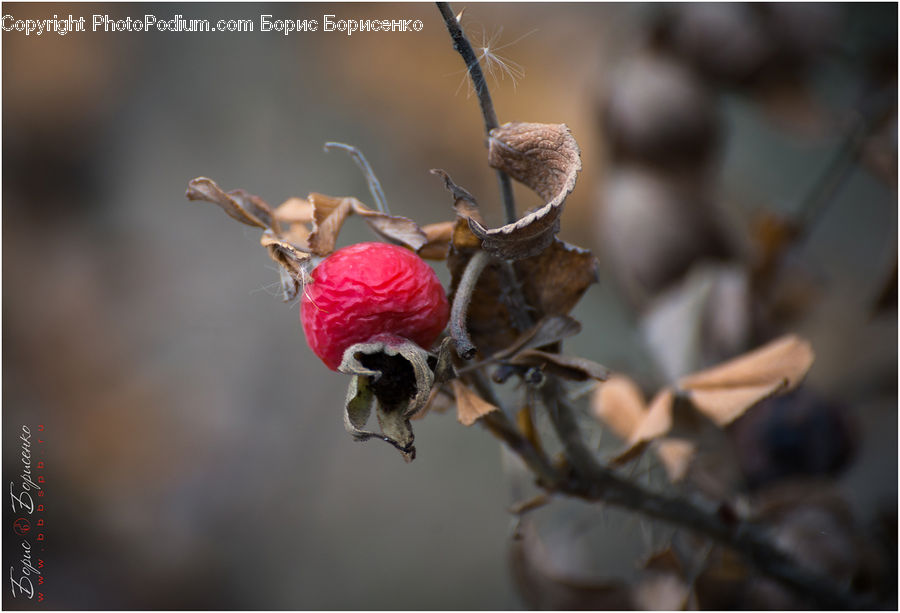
x=301, y=229
x=550, y=283
x=725, y=392
x=393, y=374
x=470, y=406
x=438, y=237
x=546, y=158
x=238, y=204
x=330, y=214
x=720, y=394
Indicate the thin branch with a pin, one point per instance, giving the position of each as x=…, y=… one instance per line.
x=501, y=427
x=589, y=479
x=458, y=332
x=368, y=173
x=595, y=482
x=464, y=48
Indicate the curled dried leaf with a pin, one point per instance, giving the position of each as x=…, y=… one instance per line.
x=619, y=404
x=330, y=213
x=464, y=202
x=723, y=393
x=676, y=455
x=438, y=237
x=238, y=204
x=546, y=158
x=294, y=263
x=470, y=406
x=554, y=281
x=657, y=421
x=295, y=211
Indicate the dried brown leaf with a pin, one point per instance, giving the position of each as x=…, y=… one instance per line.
x=786, y=358
x=554, y=281
x=725, y=392
x=294, y=211
x=464, y=202
x=438, y=236
x=657, y=421
x=676, y=455
x=238, y=204
x=550, y=283
x=470, y=406
x=566, y=366
x=546, y=158
x=330, y=213
x=619, y=404
x=725, y=405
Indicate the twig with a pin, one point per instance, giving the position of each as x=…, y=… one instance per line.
x=458, y=332
x=464, y=48
x=595, y=482
x=371, y=179
x=501, y=427
x=587, y=478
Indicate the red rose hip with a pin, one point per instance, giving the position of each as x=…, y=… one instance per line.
x=368, y=289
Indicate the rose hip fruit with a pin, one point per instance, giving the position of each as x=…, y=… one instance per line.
x=368, y=289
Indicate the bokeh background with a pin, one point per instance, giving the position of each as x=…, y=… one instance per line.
x=195, y=452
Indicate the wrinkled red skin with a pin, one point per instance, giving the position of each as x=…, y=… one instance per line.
x=368, y=289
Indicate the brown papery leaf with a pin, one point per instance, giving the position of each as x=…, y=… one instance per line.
x=676, y=455
x=546, y=158
x=566, y=366
x=554, y=281
x=657, y=421
x=238, y=204
x=438, y=236
x=330, y=213
x=469, y=405
x=725, y=392
x=788, y=357
x=619, y=404
x=725, y=405
x=295, y=210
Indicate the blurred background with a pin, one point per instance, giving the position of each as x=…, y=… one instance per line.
x=195, y=453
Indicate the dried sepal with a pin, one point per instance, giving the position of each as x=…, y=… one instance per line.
x=469, y=405
x=294, y=263
x=330, y=213
x=546, y=158
x=723, y=393
x=393, y=373
x=238, y=204
x=284, y=235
